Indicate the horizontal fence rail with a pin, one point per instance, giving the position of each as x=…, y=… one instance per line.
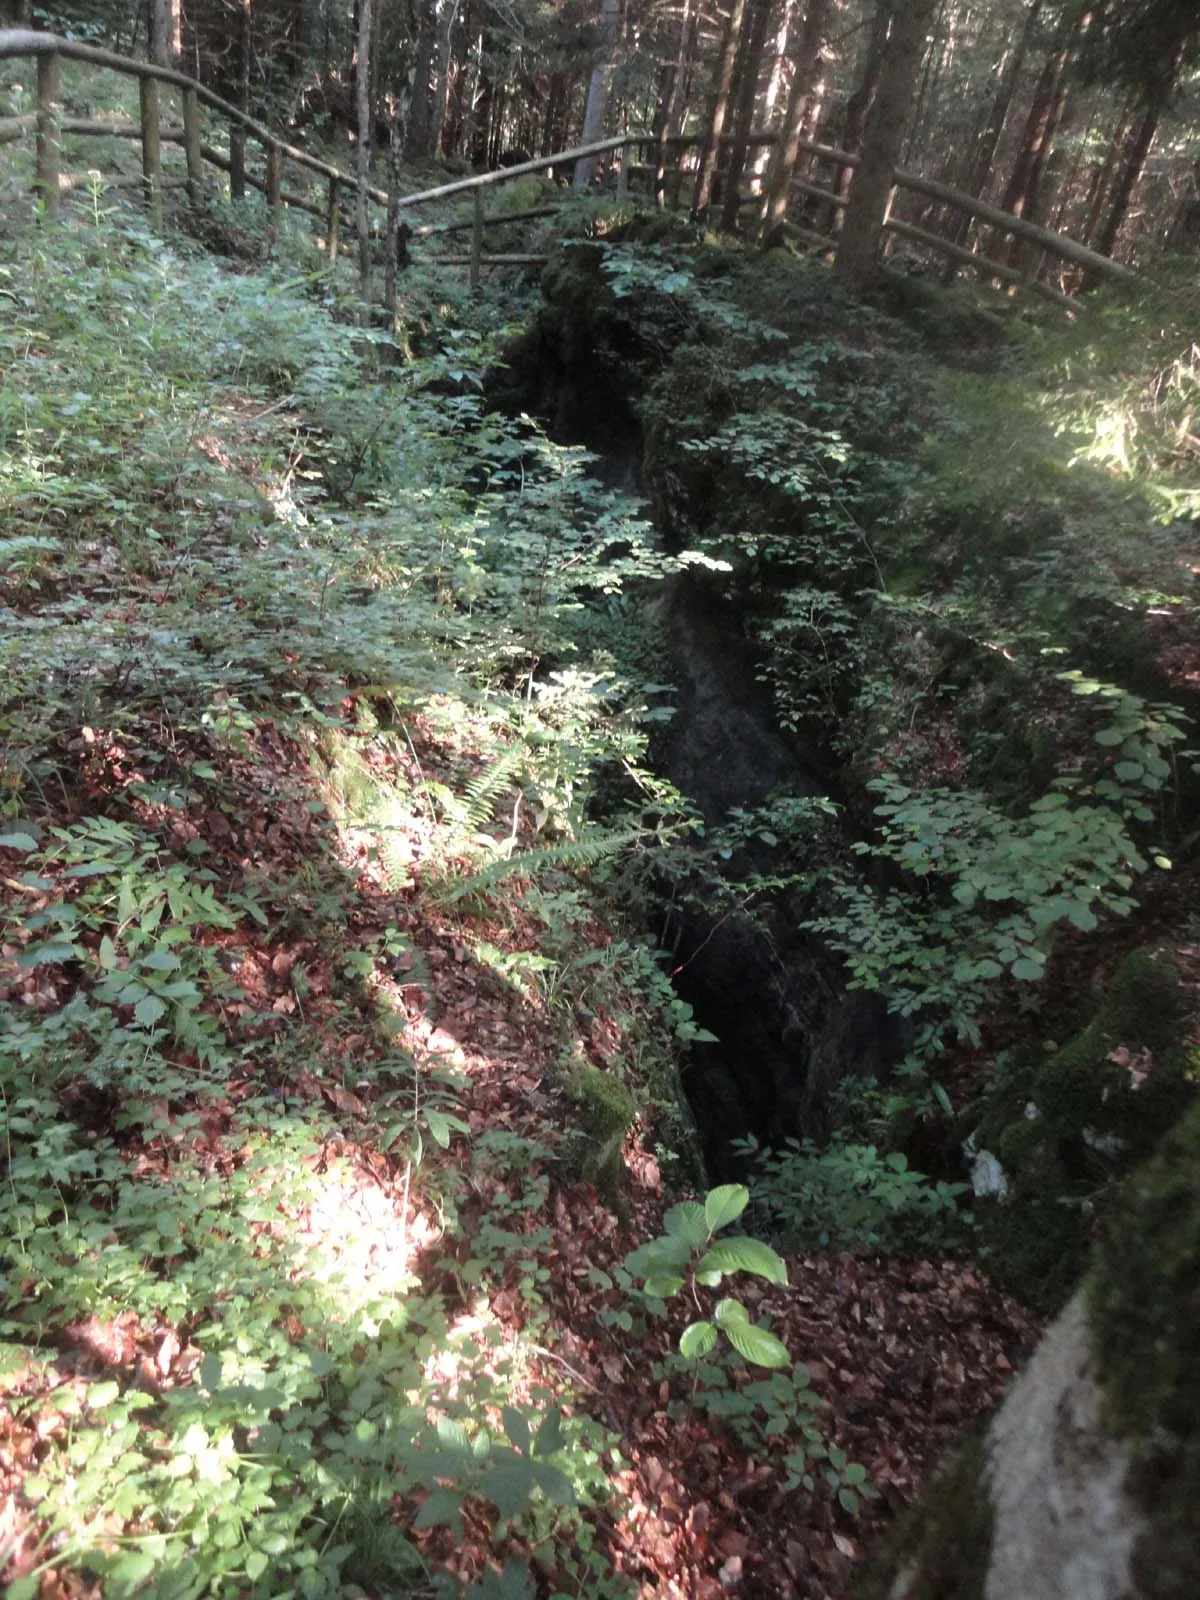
x=49, y=126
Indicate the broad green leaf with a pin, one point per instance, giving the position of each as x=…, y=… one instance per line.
x=697, y=1340
x=688, y=1223
x=133, y=1570
x=1028, y=971
x=48, y=954
x=725, y=1205
x=730, y=1311
x=441, y=1509
x=149, y=1010
x=659, y=1256
x=549, y=1435
x=453, y=1435
x=662, y=1288
x=743, y=1255
x=17, y=841
x=516, y=1426
x=553, y=1483
x=256, y=1564
x=757, y=1346
x=101, y=1395
x=509, y=1486
x=161, y=961
x=442, y=1125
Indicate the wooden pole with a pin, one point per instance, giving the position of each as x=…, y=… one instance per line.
x=151, y=148
x=333, y=221
x=476, y=237
x=191, y=144
x=274, y=182
x=623, y=173
x=237, y=164
x=49, y=151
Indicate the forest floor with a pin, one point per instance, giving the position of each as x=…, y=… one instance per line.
x=901, y=1353
x=289, y=1138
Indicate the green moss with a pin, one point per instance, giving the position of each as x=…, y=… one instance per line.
x=606, y=1111
x=1145, y=1304
x=1066, y=1123
x=944, y=1542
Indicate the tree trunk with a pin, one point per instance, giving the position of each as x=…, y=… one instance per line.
x=1131, y=171
x=675, y=109
x=441, y=83
x=927, y=94
x=1101, y=182
x=858, y=107
x=872, y=182
x=987, y=141
x=1185, y=228
x=747, y=74
x=362, y=164
x=702, y=196
x=775, y=82
x=809, y=68
x=166, y=32
x=599, y=86
x=1156, y=103
x=418, y=138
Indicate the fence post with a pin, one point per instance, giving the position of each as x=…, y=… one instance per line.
x=274, y=182
x=49, y=151
x=623, y=174
x=151, y=148
x=476, y=237
x=333, y=222
x=191, y=144
x=237, y=163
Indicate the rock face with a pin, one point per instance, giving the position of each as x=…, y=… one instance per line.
x=1064, y=1527
x=1086, y=1484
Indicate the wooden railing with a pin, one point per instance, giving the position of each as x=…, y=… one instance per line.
x=48, y=125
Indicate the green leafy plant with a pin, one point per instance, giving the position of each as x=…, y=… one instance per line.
x=688, y=1255
x=853, y=1197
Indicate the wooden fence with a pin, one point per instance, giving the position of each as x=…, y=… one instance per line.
x=638, y=156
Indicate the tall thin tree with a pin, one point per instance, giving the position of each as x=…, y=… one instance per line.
x=870, y=188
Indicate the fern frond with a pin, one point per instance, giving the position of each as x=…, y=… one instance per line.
x=569, y=854
x=479, y=793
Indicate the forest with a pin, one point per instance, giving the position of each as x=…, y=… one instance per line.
x=599, y=799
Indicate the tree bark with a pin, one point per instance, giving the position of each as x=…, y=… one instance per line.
x=417, y=139
x=858, y=107
x=166, y=32
x=441, y=84
x=747, y=74
x=1157, y=99
x=993, y=132
x=599, y=86
x=675, y=108
x=808, y=70
x=775, y=81
x=702, y=196
x=872, y=182
x=362, y=162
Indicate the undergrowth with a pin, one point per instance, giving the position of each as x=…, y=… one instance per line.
x=288, y=651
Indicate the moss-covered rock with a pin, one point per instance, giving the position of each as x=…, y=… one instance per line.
x=1145, y=1313
x=606, y=1112
x=1066, y=1123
